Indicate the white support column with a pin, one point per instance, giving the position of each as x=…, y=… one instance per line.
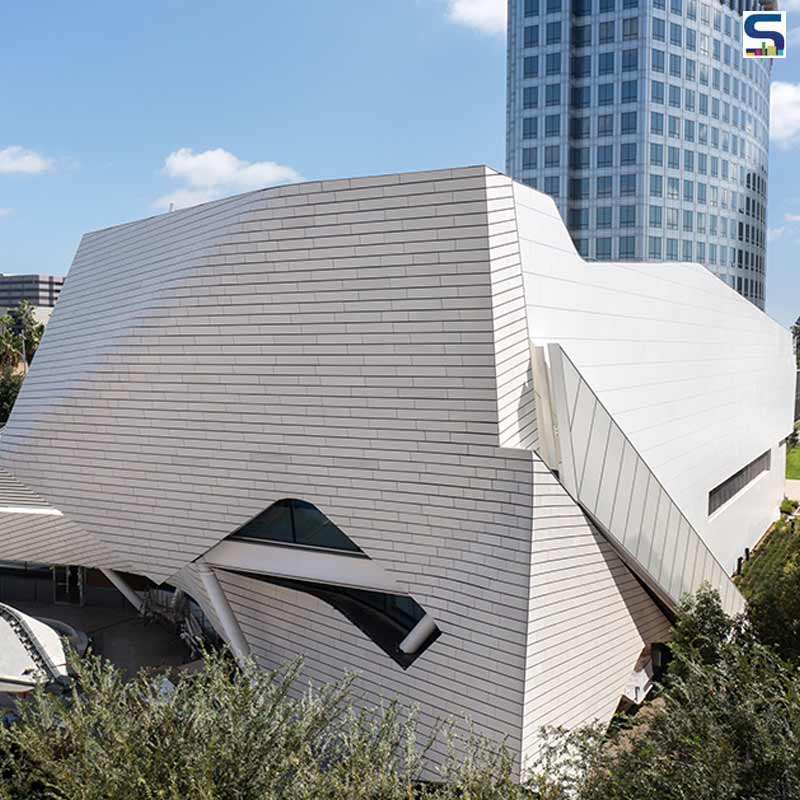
x=224, y=612
x=122, y=585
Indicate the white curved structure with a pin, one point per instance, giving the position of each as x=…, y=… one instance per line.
x=31, y=652
x=404, y=403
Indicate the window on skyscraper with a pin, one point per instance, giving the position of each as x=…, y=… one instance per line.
x=605, y=63
x=553, y=32
x=604, y=216
x=657, y=91
x=630, y=91
x=656, y=186
x=607, y=5
x=605, y=125
x=630, y=28
x=531, y=8
x=606, y=32
x=657, y=60
x=552, y=94
x=529, y=158
x=657, y=123
x=552, y=185
x=674, y=126
x=656, y=154
x=579, y=189
x=581, y=96
x=552, y=125
x=627, y=216
x=530, y=97
x=605, y=155
x=656, y=218
x=581, y=35
x=552, y=156
x=627, y=247
x=630, y=60
x=603, y=248
x=578, y=218
x=627, y=153
x=673, y=188
x=627, y=185
x=552, y=63
x=604, y=186
x=659, y=30
x=553, y=6
x=654, y=247
x=531, y=36
x=530, y=67
x=579, y=158
x=628, y=122
x=580, y=127
x=672, y=249
x=674, y=65
x=605, y=94
x=581, y=66
x=530, y=127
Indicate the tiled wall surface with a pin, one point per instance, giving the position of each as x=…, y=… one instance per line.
x=364, y=345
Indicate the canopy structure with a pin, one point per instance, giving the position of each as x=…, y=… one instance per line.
x=30, y=652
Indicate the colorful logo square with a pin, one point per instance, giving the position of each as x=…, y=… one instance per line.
x=764, y=34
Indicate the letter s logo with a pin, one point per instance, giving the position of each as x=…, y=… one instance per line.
x=767, y=29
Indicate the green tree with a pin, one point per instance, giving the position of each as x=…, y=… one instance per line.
x=725, y=726
x=796, y=336
x=226, y=734
x=20, y=335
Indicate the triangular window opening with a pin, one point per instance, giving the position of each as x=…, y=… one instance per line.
x=296, y=522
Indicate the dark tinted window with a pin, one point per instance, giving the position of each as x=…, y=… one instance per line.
x=296, y=522
x=386, y=619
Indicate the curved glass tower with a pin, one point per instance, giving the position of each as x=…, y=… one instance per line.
x=648, y=127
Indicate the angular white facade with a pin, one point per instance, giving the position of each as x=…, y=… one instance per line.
x=514, y=447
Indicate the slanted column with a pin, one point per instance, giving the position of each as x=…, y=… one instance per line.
x=124, y=588
x=222, y=608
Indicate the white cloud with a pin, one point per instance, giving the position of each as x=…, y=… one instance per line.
x=792, y=218
x=4, y=212
x=790, y=5
x=773, y=234
x=18, y=159
x=216, y=173
x=785, y=113
x=487, y=16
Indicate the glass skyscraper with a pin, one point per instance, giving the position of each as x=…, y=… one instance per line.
x=649, y=128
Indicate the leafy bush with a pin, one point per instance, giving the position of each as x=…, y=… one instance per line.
x=225, y=734
x=788, y=506
x=726, y=725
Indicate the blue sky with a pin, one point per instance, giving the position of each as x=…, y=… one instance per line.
x=112, y=111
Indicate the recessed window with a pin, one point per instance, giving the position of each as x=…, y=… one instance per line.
x=396, y=623
x=720, y=495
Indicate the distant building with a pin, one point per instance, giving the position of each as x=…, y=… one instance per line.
x=41, y=290
x=648, y=128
